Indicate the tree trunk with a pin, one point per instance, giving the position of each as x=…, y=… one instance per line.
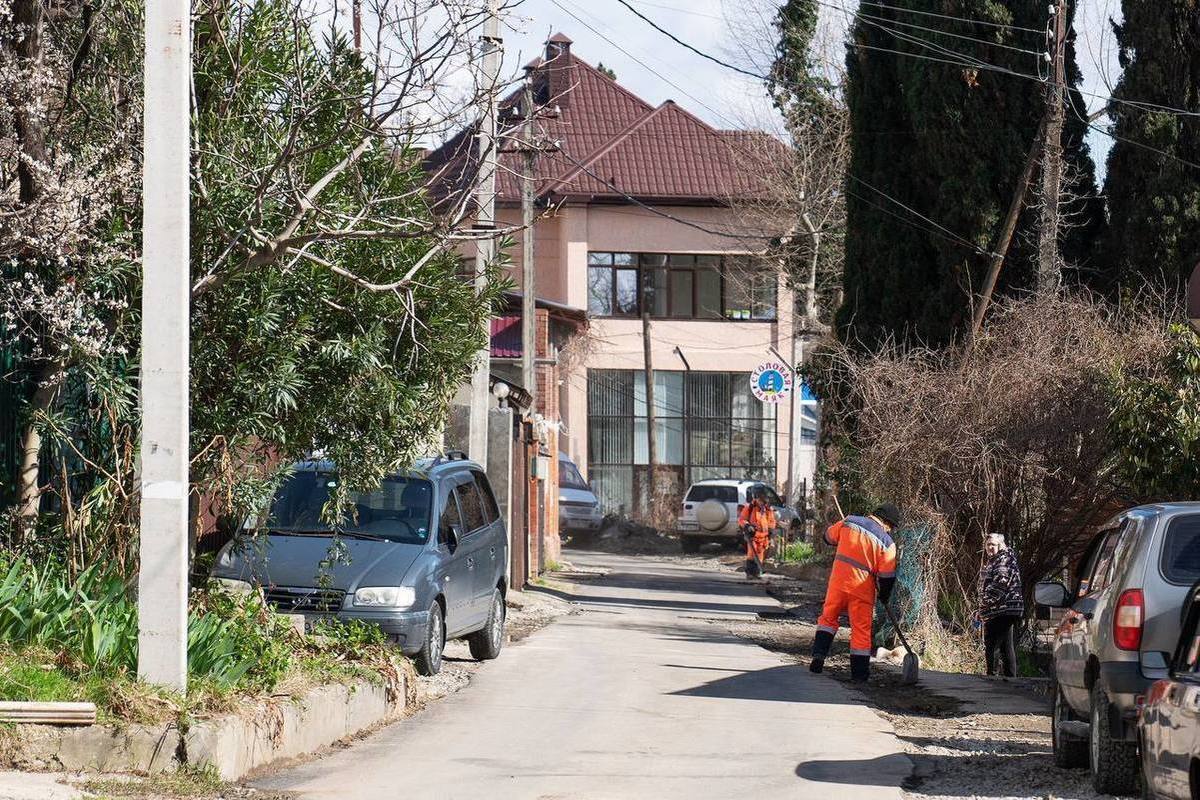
x=30, y=127
x=29, y=493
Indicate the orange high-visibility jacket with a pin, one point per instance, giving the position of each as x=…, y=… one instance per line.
x=865, y=553
x=763, y=519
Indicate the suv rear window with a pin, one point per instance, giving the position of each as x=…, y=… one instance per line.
x=1181, y=550
x=724, y=494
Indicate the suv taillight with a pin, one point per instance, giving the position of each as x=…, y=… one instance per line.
x=1128, y=620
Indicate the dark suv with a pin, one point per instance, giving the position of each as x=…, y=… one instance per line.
x=424, y=556
x=1117, y=635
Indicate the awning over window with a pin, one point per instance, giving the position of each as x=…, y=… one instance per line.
x=506, y=336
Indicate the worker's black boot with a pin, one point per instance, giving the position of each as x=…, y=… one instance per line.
x=860, y=668
x=821, y=644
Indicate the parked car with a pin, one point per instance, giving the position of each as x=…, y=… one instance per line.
x=1118, y=635
x=578, y=506
x=711, y=508
x=1169, y=722
x=424, y=557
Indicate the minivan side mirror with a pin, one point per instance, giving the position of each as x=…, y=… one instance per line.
x=1051, y=594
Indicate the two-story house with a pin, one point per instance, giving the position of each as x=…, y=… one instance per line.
x=640, y=211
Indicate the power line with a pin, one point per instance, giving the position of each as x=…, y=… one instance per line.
x=641, y=63
x=966, y=20
x=684, y=44
x=943, y=229
x=879, y=20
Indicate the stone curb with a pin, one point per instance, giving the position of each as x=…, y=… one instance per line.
x=232, y=745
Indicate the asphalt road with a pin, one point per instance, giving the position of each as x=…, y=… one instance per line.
x=641, y=695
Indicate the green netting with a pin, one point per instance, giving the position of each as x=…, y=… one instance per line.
x=909, y=594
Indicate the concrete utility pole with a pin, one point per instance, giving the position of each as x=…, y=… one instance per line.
x=528, y=276
x=1049, y=277
x=166, y=290
x=485, y=221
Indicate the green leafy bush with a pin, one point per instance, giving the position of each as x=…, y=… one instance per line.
x=1155, y=422
x=798, y=553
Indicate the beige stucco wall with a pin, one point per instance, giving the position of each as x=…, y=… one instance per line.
x=707, y=345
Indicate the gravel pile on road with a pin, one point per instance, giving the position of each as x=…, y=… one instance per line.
x=624, y=537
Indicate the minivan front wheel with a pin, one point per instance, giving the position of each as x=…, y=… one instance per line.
x=429, y=659
x=486, y=643
x=1114, y=762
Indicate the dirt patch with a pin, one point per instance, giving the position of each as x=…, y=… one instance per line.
x=625, y=537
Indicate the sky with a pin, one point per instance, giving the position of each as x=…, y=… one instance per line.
x=736, y=31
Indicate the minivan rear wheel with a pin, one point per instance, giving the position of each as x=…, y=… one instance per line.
x=1114, y=762
x=428, y=659
x=1070, y=752
x=486, y=643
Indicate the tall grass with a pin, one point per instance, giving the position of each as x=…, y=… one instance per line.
x=232, y=642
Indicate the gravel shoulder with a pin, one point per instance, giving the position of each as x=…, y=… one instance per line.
x=968, y=736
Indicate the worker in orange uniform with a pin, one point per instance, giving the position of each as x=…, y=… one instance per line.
x=865, y=563
x=758, y=522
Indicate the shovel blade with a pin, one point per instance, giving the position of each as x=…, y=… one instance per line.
x=910, y=669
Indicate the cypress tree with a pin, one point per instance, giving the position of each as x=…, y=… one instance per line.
x=948, y=141
x=1154, y=197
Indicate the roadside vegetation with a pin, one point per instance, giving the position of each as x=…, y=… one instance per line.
x=328, y=312
x=63, y=639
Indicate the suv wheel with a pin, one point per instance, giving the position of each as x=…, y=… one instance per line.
x=1114, y=762
x=485, y=643
x=1070, y=752
x=429, y=659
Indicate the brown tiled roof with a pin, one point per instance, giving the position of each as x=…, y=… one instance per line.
x=612, y=144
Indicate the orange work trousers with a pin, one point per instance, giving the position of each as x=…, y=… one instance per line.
x=861, y=610
x=757, y=546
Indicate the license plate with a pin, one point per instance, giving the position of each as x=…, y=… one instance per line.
x=688, y=526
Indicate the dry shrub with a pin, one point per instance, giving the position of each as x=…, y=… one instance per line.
x=1009, y=437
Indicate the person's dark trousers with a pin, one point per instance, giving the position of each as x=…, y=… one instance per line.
x=860, y=668
x=822, y=642
x=999, y=634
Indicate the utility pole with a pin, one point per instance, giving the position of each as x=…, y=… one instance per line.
x=1048, y=276
x=651, y=422
x=166, y=292
x=356, y=18
x=485, y=225
x=528, y=277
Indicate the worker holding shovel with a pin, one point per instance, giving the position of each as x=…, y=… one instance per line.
x=865, y=563
x=758, y=523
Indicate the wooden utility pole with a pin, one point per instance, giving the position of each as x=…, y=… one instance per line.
x=1006, y=232
x=1048, y=273
x=651, y=422
x=485, y=225
x=528, y=276
x=356, y=16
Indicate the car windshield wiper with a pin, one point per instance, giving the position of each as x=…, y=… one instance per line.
x=370, y=537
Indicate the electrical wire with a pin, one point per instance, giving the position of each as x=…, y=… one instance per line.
x=684, y=44
x=960, y=239
x=717, y=114
x=966, y=20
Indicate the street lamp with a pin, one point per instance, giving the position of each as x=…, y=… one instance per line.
x=166, y=291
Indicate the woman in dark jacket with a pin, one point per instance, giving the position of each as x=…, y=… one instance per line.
x=1001, y=604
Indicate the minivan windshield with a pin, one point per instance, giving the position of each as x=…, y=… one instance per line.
x=569, y=477
x=1181, y=550
x=398, y=511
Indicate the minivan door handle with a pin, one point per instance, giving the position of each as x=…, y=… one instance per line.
x=492, y=552
x=470, y=563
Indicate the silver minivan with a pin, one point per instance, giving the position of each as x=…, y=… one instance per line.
x=423, y=556
x=578, y=506
x=1116, y=638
